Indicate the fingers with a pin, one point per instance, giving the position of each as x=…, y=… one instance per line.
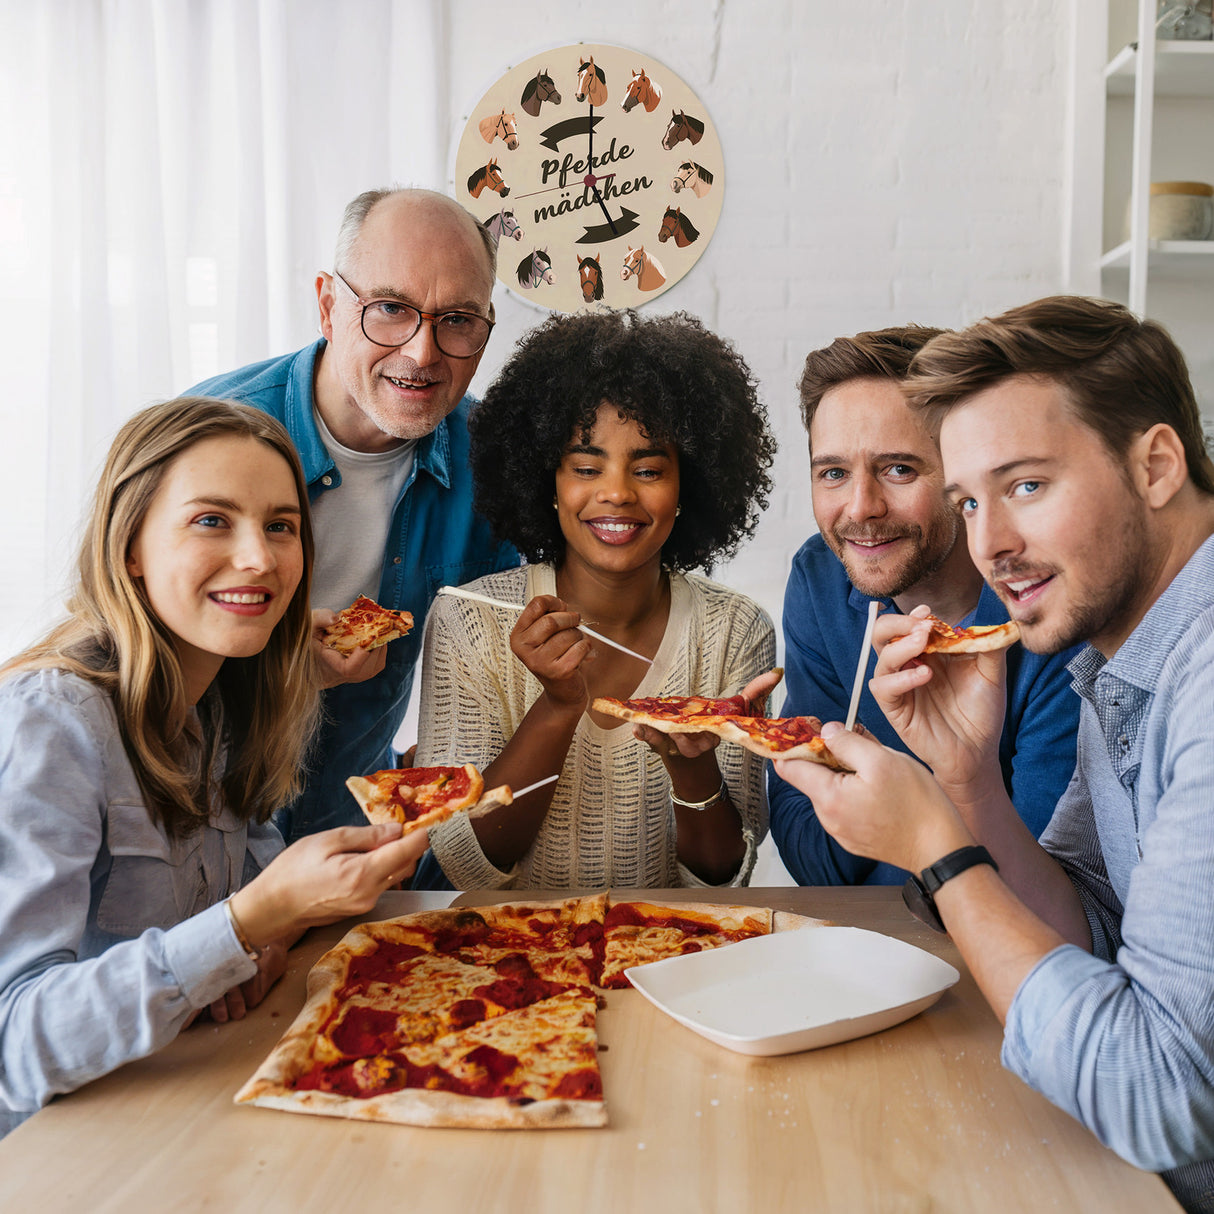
x=905, y=630
x=356, y=838
x=357, y=667
x=759, y=688
x=390, y=864
x=322, y=617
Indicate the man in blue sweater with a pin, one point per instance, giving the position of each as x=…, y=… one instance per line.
x=377, y=409
x=887, y=533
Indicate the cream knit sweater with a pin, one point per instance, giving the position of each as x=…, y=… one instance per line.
x=610, y=821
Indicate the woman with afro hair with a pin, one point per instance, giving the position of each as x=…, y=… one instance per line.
x=617, y=453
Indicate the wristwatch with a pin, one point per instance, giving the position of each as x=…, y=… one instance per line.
x=919, y=892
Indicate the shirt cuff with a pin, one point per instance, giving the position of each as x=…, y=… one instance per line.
x=205, y=957
x=1038, y=1001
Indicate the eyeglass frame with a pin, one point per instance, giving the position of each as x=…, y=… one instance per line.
x=432, y=317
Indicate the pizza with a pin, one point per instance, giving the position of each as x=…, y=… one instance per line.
x=420, y=797
x=771, y=737
x=979, y=638
x=365, y=625
x=673, y=714
x=781, y=738
x=481, y=1018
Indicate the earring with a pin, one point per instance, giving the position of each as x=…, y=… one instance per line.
x=677, y=511
x=555, y=506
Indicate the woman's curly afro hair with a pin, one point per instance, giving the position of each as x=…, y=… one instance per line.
x=680, y=383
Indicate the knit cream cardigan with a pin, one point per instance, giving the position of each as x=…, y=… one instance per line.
x=610, y=821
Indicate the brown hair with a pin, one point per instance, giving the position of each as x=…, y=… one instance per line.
x=1121, y=375
x=880, y=354
x=259, y=712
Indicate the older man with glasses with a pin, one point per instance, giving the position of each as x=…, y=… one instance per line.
x=378, y=412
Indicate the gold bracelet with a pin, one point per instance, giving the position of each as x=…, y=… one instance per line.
x=253, y=954
x=719, y=795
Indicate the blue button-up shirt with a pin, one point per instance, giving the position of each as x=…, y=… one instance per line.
x=824, y=622
x=435, y=539
x=1123, y=1037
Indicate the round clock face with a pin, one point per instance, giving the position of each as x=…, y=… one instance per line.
x=599, y=173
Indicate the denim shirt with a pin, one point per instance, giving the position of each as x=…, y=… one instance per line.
x=435, y=539
x=112, y=933
x=824, y=622
x=1123, y=1038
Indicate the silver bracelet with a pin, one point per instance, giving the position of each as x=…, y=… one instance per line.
x=719, y=795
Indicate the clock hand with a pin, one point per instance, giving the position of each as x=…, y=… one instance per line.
x=590, y=179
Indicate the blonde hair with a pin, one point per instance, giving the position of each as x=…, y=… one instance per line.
x=259, y=713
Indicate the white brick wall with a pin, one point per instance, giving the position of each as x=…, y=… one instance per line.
x=886, y=161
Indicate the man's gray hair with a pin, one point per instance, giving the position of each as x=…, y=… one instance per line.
x=356, y=213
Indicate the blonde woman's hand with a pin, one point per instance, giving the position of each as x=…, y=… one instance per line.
x=325, y=877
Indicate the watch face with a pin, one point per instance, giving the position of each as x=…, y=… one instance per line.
x=921, y=904
x=599, y=173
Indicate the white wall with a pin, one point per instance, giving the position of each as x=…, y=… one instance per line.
x=887, y=161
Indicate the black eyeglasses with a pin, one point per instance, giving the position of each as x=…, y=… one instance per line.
x=392, y=322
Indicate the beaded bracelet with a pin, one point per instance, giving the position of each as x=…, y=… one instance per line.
x=710, y=801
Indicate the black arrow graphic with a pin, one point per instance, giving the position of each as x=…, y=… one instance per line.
x=583, y=125
x=603, y=233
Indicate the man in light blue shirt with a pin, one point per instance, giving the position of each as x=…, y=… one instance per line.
x=378, y=412
x=1073, y=449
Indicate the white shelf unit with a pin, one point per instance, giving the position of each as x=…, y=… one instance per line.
x=1142, y=110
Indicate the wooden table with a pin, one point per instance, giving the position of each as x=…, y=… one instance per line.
x=919, y=1117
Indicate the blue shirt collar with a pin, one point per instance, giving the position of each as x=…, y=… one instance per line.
x=433, y=454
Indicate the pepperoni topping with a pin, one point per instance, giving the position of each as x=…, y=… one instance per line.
x=689, y=706
x=363, y=1031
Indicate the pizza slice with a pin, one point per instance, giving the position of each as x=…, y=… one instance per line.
x=781, y=738
x=979, y=638
x=420, y=797
x=636, y=933
x=556, y=941
x=366, y=625
x=536, y=1066
x=674, y=714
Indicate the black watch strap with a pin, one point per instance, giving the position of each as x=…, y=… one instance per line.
x=955, y=863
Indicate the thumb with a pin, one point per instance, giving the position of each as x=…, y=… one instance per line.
x=850, y=747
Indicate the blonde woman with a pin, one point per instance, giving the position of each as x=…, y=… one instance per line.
x=143, y=745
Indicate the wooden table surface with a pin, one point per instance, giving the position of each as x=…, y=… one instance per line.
x=919, y=1117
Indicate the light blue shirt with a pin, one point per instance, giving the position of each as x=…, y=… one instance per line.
x=1123, y=1038
x=112, y=933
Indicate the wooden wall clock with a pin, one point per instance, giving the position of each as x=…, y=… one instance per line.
x=599, y=172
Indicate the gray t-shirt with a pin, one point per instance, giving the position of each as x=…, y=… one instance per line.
x=351, y=521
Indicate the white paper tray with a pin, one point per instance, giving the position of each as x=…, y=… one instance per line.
x=796, y=990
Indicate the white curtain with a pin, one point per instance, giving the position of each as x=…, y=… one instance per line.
x=172, y=173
